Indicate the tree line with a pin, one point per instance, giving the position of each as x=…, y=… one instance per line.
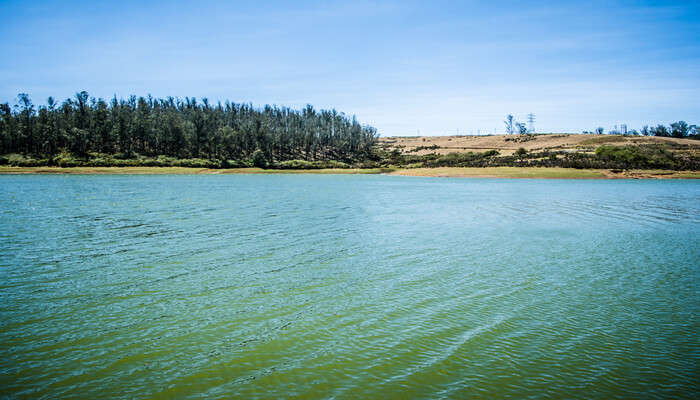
x=513, y=126
x=679, y=129
x=180, y=128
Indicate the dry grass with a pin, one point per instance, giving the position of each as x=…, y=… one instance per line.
x=660, y=174
x=603, y=139
x=507, y=144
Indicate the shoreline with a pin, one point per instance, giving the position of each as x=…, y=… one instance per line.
x=544, y=173
x=179, y=171
x=442, y=172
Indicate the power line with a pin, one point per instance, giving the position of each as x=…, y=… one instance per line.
x=531, y=122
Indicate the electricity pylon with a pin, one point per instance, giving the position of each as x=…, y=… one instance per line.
x=531, y=122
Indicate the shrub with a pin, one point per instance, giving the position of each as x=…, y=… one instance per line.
x=636, y=156
x=302, y=164
x=234, y=164
x=100, y=162
x=197, y=163
x=335, y=164
x=17, y=160
x=367, y=164
x=294, y=164
x=67, y=160
x=259, y=159
x=419, y=148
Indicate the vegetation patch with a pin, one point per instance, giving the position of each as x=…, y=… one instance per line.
x=604, y=157
x=638, y=157
x=520, y=138
x=602, y=140
x=504, y=172
x=303, y=164
x=420, y=148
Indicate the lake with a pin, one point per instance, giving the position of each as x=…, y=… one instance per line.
x=367, y=286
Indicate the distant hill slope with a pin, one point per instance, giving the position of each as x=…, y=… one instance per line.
x=507, y=144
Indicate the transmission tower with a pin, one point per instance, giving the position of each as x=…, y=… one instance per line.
x=531, y=122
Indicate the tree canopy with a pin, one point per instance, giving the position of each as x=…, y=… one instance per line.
x=182, y=128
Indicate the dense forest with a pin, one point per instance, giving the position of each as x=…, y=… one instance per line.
x=85, y=128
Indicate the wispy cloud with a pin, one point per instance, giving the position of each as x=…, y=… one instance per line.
x=403, y=66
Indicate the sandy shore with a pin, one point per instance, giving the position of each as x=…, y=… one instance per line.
x=545, y=173
x=448, y=172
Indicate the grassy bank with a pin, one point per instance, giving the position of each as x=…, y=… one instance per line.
x=182, y=170
x=454, y=172
x=545, y=173
x=503, y=172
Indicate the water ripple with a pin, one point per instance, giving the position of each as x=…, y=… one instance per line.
x=347, y=287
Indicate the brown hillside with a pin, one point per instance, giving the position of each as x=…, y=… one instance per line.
x=507, y=144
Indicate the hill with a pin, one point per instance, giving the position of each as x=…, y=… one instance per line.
x=508, y=144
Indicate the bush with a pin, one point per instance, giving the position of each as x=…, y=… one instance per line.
x=66, y=160
x=101, y=162
x=334, y=164
x=259, y=159
x=636, y=156
x=302, y=164
x=196, y=163
x=294, y=164
x=235, y=164
x=419, y=148
x=469, y=159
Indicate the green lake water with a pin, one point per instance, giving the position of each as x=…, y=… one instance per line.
x=318, y=286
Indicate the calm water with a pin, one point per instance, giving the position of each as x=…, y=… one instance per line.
x=347, y=287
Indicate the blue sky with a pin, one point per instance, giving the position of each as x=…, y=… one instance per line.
x=402, y=66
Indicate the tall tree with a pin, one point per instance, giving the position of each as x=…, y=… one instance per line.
x=509, y=121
